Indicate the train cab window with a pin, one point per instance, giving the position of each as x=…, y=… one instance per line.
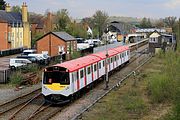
x=95, y=67
x=88, y=70
x=100, y=65
x=56, y=77
x=103, y=63
x=81, y=74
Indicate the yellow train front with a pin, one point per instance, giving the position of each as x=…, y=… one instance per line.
x=56, y=84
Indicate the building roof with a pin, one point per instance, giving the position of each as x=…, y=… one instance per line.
x=11, y=17
x=63, y=35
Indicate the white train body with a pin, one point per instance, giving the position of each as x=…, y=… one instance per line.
x=66, y=79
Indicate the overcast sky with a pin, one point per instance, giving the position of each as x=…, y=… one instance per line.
x=86, y=8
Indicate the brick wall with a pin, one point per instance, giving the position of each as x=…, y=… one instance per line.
x=3, y=36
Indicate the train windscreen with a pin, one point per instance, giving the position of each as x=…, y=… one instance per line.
x=56, y=77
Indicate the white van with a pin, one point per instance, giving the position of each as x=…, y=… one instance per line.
x=17, y=62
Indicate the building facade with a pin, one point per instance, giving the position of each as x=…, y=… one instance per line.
x=55, y=42
x=14, y=29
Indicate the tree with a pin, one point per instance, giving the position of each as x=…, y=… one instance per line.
x=100, y=21
x=145, y=23
x=159, y=24
x=16, y=9
x=2, y=5
x=170, y=21
x=62, y=20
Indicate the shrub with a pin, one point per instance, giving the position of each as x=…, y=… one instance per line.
x=31, y=68
x=160, y=88
x=76, y=54
x=16, y=78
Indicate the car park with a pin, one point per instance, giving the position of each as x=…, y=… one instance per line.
x=18, y=62
x=33, y=59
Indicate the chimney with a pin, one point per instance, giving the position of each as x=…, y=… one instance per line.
x=8, y=8
x=24, y=12
x=49, y=22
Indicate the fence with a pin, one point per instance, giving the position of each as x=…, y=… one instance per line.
x=4, y=75
x=11, y=51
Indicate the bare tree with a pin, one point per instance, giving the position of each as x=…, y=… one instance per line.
x=170, y=21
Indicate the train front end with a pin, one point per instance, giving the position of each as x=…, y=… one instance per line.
x=56, y=85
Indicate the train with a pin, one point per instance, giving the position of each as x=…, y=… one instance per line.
x=62, y=82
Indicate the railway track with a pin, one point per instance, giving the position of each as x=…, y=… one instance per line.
x=10, y=105
x=118, y=84
x=38, y=109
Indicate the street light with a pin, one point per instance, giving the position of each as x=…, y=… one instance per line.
x=61, y=51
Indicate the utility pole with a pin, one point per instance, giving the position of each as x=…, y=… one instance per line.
x=106, y=62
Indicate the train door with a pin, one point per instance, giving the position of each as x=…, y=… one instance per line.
x=88, y=75
x=95, y=71
x=74, y=82
x=100, y=68
x=81, y=77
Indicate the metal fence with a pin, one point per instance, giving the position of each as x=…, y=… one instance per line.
x=10, y=51
x=4, y=75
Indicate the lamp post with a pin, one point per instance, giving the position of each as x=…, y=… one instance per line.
x=61, y=50
x=106, y=61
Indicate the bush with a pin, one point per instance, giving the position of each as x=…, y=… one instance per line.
x=31, y=68
x=16, y=78
x=76, y=54
x=160, y=88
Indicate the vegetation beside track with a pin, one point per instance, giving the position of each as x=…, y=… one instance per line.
x=152, y=94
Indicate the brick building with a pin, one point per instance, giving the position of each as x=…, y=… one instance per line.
x=14, y=28
x=53, y=42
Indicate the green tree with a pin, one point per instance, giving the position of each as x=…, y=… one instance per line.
x=16, y=9
x=145, y=23
x=76, y=30
x=2, y=5
x=100, y=20
x=62, y=20
x=170, y=21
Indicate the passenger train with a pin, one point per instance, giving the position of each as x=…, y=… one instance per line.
x=61, y=82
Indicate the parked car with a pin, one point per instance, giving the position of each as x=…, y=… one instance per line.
x=44, y=57
x=17, y=62
x=33, y=59
x=30, y=51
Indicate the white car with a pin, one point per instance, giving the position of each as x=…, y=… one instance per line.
x=17, y=62
x=30, y=51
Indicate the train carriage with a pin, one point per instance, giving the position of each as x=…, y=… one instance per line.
x=62, y=81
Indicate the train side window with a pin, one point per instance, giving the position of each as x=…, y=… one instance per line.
x=99, y=65
x=81, y=74
x=77, y=73
x=127, y=52
x=89, y=70
x=111, y=60
x=103, y=63
x=120, y=56
x=95, y=67
x=115, y=58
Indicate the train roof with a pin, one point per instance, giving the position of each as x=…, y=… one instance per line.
x=79, y=63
